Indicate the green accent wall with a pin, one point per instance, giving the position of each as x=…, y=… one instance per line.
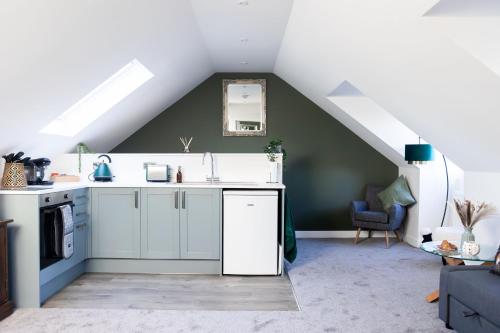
x=328, y=166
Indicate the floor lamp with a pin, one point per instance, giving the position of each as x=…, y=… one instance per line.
x=420, y=154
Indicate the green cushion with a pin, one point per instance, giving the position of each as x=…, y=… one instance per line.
x=397, y=193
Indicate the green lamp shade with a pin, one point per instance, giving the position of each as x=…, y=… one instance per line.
x=419, y=153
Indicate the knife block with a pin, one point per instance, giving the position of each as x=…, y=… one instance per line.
x=13, y=176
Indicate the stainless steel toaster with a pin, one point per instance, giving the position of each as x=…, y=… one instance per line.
x=157, y=172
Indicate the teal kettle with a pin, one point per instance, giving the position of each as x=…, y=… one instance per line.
x=102, y=171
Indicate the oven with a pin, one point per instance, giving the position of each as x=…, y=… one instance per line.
x=51, y=226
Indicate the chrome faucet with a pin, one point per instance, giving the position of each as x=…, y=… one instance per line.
x=212, y=178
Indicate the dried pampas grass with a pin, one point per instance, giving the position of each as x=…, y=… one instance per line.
x=471, y=213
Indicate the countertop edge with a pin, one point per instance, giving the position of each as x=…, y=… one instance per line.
x=76, y=186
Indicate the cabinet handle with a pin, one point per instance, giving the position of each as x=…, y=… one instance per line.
x=136, y=199
x=176, y=200
x=183, y=199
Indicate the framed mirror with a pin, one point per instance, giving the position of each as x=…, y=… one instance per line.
x=244, y=107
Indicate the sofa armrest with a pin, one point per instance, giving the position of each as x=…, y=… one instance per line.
x=359, y=206
x=397, y=214
x=443, y=287
x=444, y=313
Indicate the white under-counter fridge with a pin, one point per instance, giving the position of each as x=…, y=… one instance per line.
x=250, y=232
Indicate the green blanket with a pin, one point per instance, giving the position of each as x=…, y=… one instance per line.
x=290, y=242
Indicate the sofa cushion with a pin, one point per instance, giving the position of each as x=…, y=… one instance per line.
x=478, y=290
x=372, y=198
x=372, y=216
x=397, y=193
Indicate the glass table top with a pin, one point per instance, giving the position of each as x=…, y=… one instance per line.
x=487, y=252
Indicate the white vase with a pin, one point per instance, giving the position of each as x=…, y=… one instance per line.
x=273, y=172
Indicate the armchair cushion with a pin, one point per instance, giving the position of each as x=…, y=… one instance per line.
x=371, y=216
x=397, y=193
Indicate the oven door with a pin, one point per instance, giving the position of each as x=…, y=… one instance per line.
x=51, y=235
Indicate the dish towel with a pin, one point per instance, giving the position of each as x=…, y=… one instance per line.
x=68, y=246
x=290, y=241
x=68, y=227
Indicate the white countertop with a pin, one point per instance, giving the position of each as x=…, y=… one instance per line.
x=36, y=190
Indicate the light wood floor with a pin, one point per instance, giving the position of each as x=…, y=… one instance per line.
x=176, y=292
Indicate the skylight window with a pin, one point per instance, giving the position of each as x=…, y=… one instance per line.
x=100, y=100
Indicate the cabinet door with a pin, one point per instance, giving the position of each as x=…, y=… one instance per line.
x=81, y=241
x=4, y=295
x=200, y=223
x=116, y=223
x=160, y=223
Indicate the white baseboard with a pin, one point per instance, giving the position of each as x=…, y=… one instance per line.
x=412, y=241
x=338, y=234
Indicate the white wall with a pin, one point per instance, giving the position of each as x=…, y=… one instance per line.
x=412, y=226
x=129, y=167
x=484, y=186
x=428, y=185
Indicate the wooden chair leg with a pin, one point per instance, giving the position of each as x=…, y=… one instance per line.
x=357, y=236
x=397, y=235
x=386, y=239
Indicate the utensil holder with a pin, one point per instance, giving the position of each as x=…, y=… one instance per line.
x=13, y=176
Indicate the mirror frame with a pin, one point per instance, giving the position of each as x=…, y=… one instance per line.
x=225, y=118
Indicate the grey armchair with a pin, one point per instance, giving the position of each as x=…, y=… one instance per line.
x=370, y=215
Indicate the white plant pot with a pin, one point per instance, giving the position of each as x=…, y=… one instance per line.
x=274, y=172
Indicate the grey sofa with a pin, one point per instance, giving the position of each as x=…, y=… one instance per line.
x=370, y=215
x=469, y=299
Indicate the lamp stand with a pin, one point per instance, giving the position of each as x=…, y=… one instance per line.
x=447, y=189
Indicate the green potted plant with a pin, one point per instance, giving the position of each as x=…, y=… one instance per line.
x=81, y=148
x=272, y=150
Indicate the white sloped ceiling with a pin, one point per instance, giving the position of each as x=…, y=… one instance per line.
x=401, y=60
x=242, y=36
x=55, y=52
x=420, y=61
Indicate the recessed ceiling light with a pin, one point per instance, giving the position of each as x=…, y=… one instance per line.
x=244, y=40
x=243, y=3
x=243, y=62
